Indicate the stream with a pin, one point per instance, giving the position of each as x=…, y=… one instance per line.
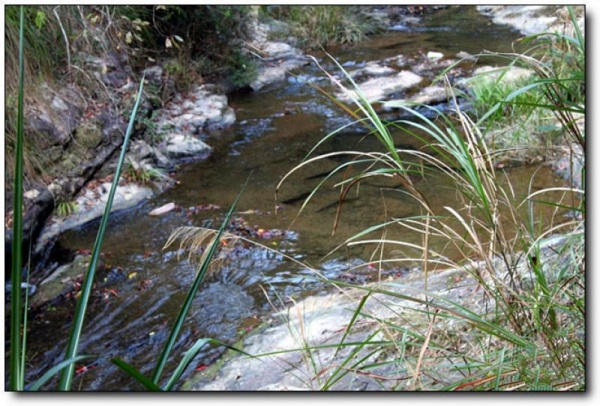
x=275, y=129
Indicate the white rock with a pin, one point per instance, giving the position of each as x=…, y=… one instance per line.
x=188, y=105
x=162, y=209
x=430, y=95
x=279, y=49
x=180, y=145
x=488, y=74
x=198, y=121
x=31, y=194
x=465, y=55
x=377, y=89
x=434, y=56
x=527, y=19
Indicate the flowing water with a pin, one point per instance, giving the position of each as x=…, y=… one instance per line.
x=275, y=130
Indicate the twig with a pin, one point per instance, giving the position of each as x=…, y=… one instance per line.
x=65, y=37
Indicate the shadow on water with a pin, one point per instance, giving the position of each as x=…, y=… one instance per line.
x=275, y=130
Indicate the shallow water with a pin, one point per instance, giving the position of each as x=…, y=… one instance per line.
x=275, y=130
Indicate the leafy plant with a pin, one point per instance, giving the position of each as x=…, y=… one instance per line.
x=140, y=174
x=242, y=67
x=65, y=209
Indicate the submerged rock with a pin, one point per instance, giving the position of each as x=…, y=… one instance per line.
x=571, y=165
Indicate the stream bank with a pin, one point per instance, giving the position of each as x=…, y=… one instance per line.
x=298, y=348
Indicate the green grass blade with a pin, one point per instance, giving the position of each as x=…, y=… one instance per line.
x=499, y=374
x=580, y=37
x=25, y=306
x=336, y=376
x=56, y=369
x=353, y=320
x=192, y=292
x=185, y=362
x=67, y=374
x=16, y=383
x=137, y=375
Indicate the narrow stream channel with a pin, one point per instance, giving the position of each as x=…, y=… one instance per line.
x=275, y=130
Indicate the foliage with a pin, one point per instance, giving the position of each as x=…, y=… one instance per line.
x=40, y=36
x=66, y=45
x=65, y=209
x=555, y=89
x=322, y=26
x=143, y=175
x=242, y=69
x=527, y=330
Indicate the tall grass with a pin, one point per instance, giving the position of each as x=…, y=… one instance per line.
x=323, y=26
x=18, y=343
x=16, y=351
x=86, y=289
x=555, y=88
x=524, y=327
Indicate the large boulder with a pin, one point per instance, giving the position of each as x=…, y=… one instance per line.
x=201, y=109
x=55, y=117
x=280, y=58
x=377, y=89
